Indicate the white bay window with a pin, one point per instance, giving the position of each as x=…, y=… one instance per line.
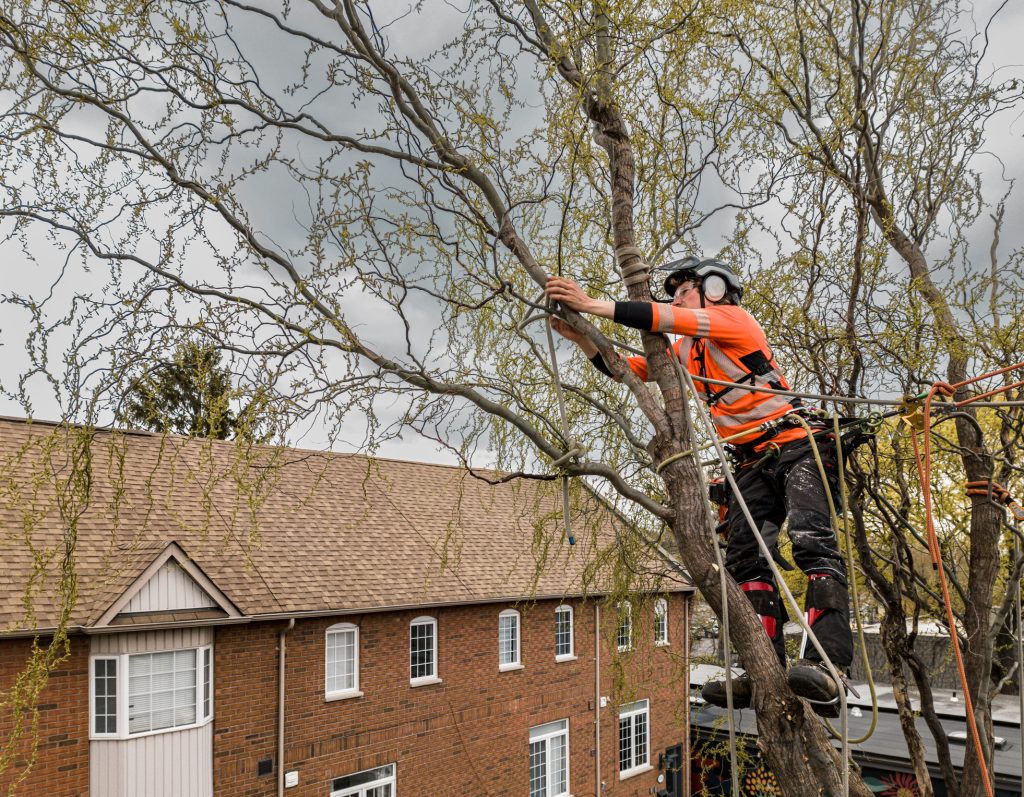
x=134, y=694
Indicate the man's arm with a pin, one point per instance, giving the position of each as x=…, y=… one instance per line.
x=569, y=294
x=725, y=324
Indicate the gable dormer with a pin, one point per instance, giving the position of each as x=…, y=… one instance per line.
x=172, y=589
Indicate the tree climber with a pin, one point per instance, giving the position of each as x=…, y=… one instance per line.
x=775, y=469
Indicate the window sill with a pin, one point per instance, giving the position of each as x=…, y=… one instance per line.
x=628, y=649
x=566, y=657
x=113, y=737
x=428, y=681
x=664, y=644
x=635, y=771
x=509, y=667
x=347, y=695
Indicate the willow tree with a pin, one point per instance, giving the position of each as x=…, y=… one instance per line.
x=360, y=203
x=882, y=110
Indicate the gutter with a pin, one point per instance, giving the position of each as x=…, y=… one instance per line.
x=280, y=705
x=270, y=616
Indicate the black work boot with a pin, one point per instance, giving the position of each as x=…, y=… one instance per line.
x=714, y=692
x=811, y=681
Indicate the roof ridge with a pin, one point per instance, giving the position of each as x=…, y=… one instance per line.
x=329, y=452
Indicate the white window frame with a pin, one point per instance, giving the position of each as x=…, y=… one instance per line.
x=546, y=738
x=206, y=662
x=118, y=698
x=625, y=621
x=516, y=664
x=571, y=655
x=122, y=694
x=661, y=622
x=432, y=678
x=361, y=790
x=629, y=712
x=348, y=692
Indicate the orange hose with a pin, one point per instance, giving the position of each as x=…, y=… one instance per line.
x=924, y=472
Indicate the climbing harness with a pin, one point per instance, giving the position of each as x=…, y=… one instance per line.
x=771, y=428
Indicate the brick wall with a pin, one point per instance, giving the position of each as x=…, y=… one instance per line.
x=244, y=708
x=465, y=736
x=61, y=767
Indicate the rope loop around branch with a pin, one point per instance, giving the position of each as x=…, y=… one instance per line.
x=575, y=452
x=632, y=265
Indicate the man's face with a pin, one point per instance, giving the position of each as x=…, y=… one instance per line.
x=686, y=295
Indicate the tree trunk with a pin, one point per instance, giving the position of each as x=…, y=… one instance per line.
x=895, y=644
x=792, y=739
x=983, y=562
x=983, y=565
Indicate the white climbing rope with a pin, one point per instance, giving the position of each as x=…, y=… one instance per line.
x=780, y=582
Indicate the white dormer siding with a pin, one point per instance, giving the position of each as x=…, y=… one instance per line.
x=170, y=589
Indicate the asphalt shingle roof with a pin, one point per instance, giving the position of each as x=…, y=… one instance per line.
x=280, y=530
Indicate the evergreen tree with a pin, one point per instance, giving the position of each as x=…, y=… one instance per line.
x=188, y=395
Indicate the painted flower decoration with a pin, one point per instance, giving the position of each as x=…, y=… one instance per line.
x=761, y=783
x=900, y=784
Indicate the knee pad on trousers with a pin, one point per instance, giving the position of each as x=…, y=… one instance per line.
x=828, y=615
x=823, y=593
x=765, y=599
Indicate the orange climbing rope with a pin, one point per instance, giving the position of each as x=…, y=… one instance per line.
x=994, y=491
x=924, y=469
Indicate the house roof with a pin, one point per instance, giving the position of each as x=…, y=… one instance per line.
x=886, y=747
x=283, y=531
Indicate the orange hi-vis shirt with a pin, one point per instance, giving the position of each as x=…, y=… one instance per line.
x=725, y=342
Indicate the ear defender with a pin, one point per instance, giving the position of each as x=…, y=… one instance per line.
x=714, y=288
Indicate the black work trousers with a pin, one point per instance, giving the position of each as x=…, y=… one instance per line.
x=790, y=486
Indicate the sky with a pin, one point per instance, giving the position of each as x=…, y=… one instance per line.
x=413, y=36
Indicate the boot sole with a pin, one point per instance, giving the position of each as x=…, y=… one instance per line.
x=812, y=688
x=818, y=689
x=718, y=699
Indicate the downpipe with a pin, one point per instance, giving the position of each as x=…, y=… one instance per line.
x=280, y=705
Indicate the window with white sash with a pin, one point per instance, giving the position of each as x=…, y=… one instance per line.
x=661, y=622
x=624, y=633
x=423, y=651
x=133, y=694
x=549, y=759
x=376, y=782
x=563, y=633
x=341, y=666
x=508, y=640
x=634, y=738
